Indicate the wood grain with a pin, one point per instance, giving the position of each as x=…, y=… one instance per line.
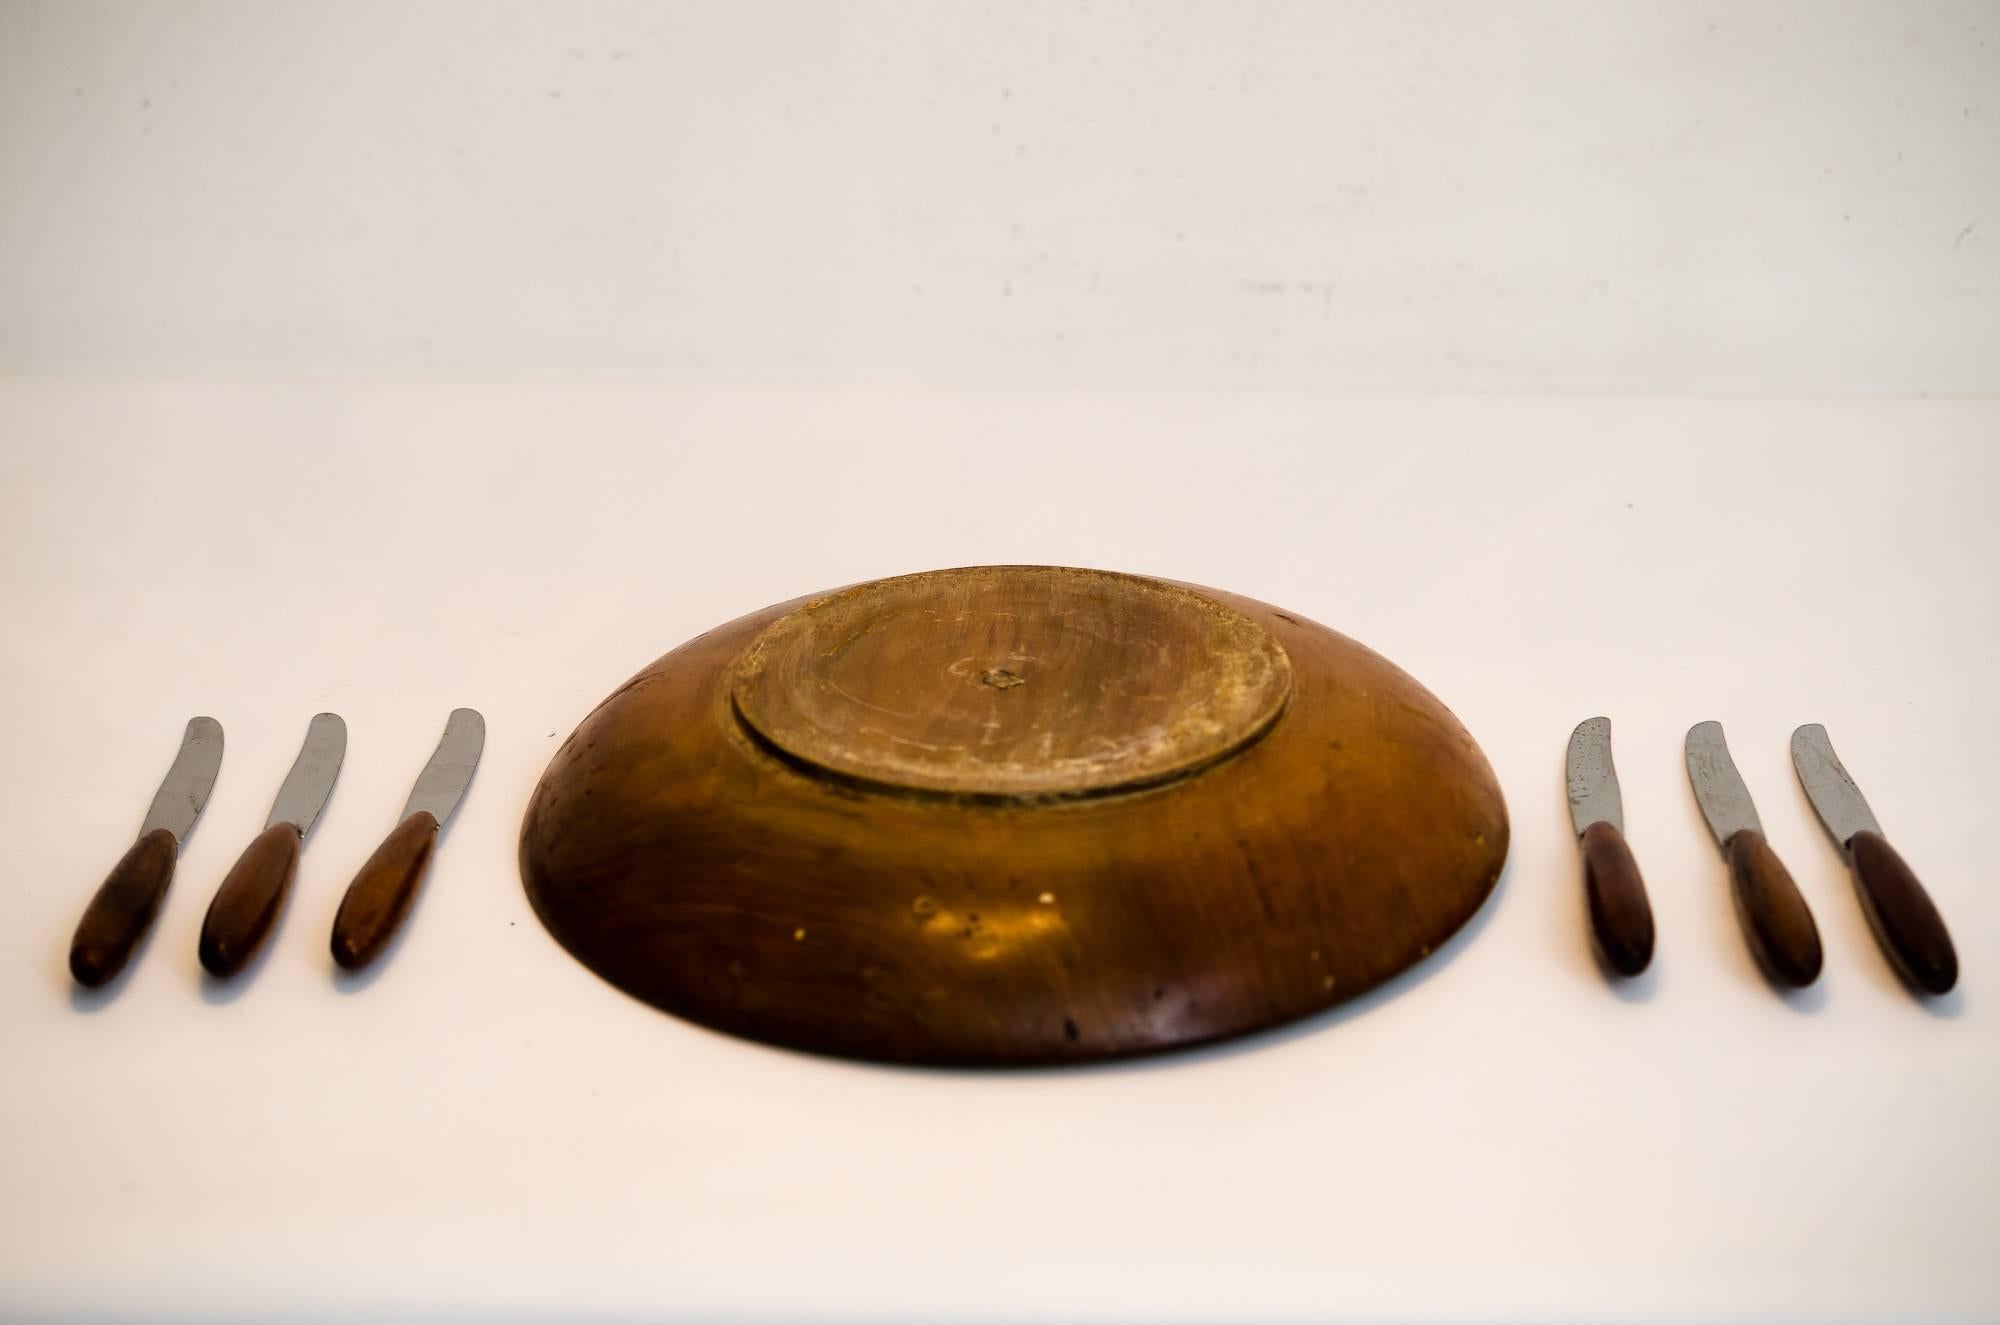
x=673, y=851
x=1621, y=917
x=966, y=683
x=122, y=910
x=1775, y=918
x=249, y=901
x=1905, y=920
x=383, y=892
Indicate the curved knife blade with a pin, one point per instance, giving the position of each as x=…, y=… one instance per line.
x=313, y=774
x=1835, y=798
x=1592, y=780
x=1718, y=788
x=185, y=789
x=443, y=782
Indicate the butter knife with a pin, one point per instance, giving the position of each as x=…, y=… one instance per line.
x=1621, y=919
x=128, y=901
x=253, y=894
x=1776, y=920
x=1905, y=920
x=383, y=892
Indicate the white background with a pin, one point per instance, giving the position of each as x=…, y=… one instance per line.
x=1579, y=196
x=384, y=359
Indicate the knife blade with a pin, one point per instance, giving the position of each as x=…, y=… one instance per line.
x=1905, y=920
x=253, y=894
x=310, y=783
x=125, y=905
x=443, y=782
x=1835, y=799
x=1621, y=918
x=1718, y=788
x=382, y=894
x=1777, y=923
x=184, y=790
x=1591, y=778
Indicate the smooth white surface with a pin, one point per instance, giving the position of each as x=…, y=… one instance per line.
x=482, y=1126
x=1799, y=196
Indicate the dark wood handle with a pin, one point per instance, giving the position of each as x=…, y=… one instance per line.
x=123, y=909
x=250, y=900
x=1620, y=916
x=1905, y=920
x=1775, y=917
x=382, y=892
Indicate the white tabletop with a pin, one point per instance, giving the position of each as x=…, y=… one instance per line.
x=480, y=1123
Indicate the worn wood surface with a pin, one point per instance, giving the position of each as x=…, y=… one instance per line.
x=380, y=898
x=1186, y=864
x=1621, y=918
x=1905, y=920
x=123, y=908
x=1776, y=920
x=249, y=901
x=969, y=683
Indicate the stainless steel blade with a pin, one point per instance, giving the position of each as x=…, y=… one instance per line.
x=1718, y=787
x=1835, y=798
x=442, y=783
x=1593, y=782
x=177, y=804
x=313, y=773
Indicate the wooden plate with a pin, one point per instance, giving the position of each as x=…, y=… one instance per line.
x=1017, y=814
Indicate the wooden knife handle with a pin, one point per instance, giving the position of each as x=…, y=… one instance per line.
x=1905, y=920
x=250, y=900
x=382, y=892
x=1775, y=917
x=123, y=909
x=1620, y=916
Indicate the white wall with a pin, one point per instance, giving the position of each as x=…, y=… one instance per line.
x=1791, y=197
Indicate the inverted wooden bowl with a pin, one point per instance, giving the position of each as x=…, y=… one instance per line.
x=1011, y=815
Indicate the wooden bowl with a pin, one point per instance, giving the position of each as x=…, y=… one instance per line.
x=1011, y=815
